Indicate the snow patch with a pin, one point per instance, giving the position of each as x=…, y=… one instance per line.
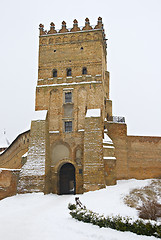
x=53, y=131
x=38, y=216
x=108, y=147
x=2, y=152
x=107, y=139
x=93, y=113
x=81, y=130
x=9, y=169
x=106, y=158
x=39, y=115
x=25, y=155
x=68, y=84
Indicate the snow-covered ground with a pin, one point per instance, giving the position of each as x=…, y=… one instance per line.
x=46, y=217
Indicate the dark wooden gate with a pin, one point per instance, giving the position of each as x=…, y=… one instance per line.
x=67, y=179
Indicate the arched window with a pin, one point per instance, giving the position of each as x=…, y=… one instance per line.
x=84, y=70
x=69, y=72
x=54, y=73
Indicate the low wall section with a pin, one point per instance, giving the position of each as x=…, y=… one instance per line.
x=8, y=182
x=136, y=156
x=144, y=157
x=12, y=156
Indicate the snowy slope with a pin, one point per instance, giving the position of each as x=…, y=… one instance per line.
x=38, y=217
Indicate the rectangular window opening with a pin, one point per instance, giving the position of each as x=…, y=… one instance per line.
x=68, y=126
x=68, y=97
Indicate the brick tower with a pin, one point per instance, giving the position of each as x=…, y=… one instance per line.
x=75, y=144
x=73, y=89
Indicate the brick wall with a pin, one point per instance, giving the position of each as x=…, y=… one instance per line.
x=93, y=165
x=144, y=157
x=8, y=182
x=32, y=174
x=136, y=156
x=12, y=157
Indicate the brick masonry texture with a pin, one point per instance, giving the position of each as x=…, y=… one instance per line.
x=95, y=150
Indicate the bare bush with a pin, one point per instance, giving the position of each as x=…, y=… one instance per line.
x=145, y=200
x=150, y=210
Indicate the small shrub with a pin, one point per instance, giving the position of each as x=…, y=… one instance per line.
x=144, y=194
x=149, y=210
x=118, y=223
x=71, y=206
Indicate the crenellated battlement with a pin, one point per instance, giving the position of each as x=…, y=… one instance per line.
x=75, y=27
x=71, y=50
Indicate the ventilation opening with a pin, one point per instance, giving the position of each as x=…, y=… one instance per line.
x=84, y=70
x=69, y=72
x=54, y=73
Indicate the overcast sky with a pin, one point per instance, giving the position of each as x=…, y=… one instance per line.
x=133, y=29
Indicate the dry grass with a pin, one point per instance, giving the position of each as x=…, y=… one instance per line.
x=150, y=210
x=145, y=199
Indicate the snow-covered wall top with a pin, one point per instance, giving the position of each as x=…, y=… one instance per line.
x=39, y=115
x=107, y=139
x=93, y=113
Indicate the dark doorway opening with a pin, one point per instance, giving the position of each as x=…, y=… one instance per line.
x=67, y=179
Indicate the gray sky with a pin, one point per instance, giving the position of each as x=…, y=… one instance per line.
x=133, y=29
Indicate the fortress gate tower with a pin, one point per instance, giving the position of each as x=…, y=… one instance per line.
x=73, y=88
x=75, y=144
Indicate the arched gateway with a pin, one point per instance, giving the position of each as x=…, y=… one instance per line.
x=67, y=184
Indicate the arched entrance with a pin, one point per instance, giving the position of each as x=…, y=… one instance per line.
x=67, y=179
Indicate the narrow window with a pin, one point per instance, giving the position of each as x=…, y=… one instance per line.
x=68, y=126
x=84, y=70
x=68, y=97
x=69, y=72
x=54, y=73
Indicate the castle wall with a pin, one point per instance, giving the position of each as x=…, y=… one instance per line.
x=144, y=157
x=93, y=164
x=12, y=156
x=109, y=160
x=118, y=134
x=32, y=174
x=137, y=156
x=8, y=182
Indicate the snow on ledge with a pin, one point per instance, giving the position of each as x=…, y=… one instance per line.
x=53, y=131
x=93, y=112
x=81, y=130
x=39, y=115
x=108, y=146
x=9, y=169
x=67, y=84
x=109, y=158
x=107, y=139
x=2, y=152
x=25, y=155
